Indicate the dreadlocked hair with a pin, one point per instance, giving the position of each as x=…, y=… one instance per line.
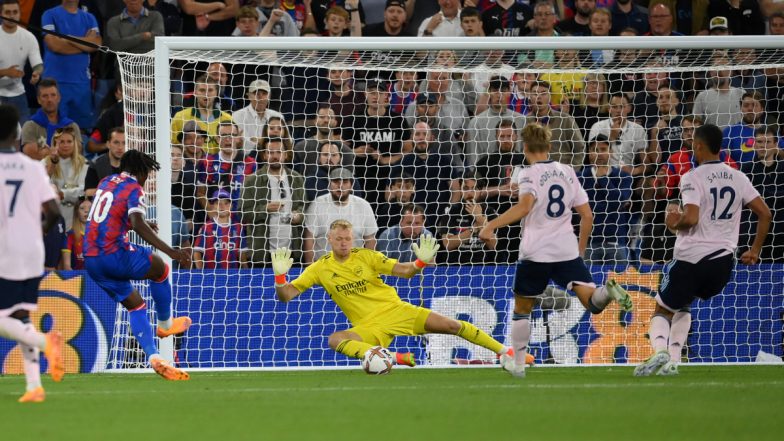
x=138, y=164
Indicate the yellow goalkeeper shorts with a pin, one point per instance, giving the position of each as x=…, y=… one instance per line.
x=399, y=319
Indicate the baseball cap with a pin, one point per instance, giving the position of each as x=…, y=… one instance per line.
x=398, y=3
x=376, y=84
x=220, y=194
x=426, y=98
x=719, y=23
x=601, y=137
x=191, y=126
x=259, y=85
x=341, y=173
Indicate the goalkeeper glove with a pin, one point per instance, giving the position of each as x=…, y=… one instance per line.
x=425, y=251
x=281, y=264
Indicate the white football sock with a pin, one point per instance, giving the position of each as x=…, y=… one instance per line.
x=659, y=332
x=32, y=365
x=20, y=332
x=600, y=298
x=679, y=332
x=521, y=334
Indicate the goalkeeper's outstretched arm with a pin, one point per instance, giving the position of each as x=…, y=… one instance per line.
x=425, y=252
x=281, y=264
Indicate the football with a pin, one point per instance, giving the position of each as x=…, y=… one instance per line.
x=377, y=361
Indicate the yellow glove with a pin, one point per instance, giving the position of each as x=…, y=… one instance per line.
x=426, y=250
x=281, y=264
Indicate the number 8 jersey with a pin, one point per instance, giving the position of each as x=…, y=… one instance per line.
x=108, y=223
x=547, y=230
x=720, y=192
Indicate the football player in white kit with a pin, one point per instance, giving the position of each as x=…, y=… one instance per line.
x=712, y=195
x=549, y=249
x=24, y=192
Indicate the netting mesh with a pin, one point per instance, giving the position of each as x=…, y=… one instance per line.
x=258, y=138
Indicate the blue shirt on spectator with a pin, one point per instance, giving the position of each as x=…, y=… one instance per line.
x=739, y=142
x=393, y=245
x=74, y=68
x=609, y=196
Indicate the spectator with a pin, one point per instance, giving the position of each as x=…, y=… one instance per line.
x=203, y=112
x=329, y=157
x=273, y=203
x=67, y=169
x=69, y=63
x=303, y=90
x=299, y=10
x=752, y=79
x=666, y=134
x=252, y=118
x=247, y=22
x=399, y=192
x=221, y=243
x=568, y=144
x=451, y=113
x=744, y=16
x=275, y=21
x=577, y=25
x=719, y=26
x=53, y=244
x=184, y=188
x=660, y=19
x=776, y=23
x=393, y=24
x=445, y=23
x=609, y=191
x=403, y=91
x=395, y=242
x=459, y=229
x=645, y=102
x=275, y=128
x=344, y=100
x=600, y=24
x=481, y=130
x=217, y=72
x=338, y=204
x=567, y=84
x=739, y=138
x=319, y=9
x=492, y=67
x=720, y=104
x=628, y=140
x=471, y=22
x=543, y=26
x=213, y=19
x=37, y=132
x=625, y=61
x=227, y=168
x=112, y=117
x=377, y=139
x=627, y=14
x=593, y=103
x=691, y=17
x=766, y=172
x=72, y=257
x=172, y=20
x=774, y=94
x=106, y=164
x=433, y=173
x=193, y=139
x=521, y=89
x=135, y=29
x=18, y=47
x=507, y=18
x=307, y=151
x=337, y=22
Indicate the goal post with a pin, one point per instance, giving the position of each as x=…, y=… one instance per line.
x=237, y=321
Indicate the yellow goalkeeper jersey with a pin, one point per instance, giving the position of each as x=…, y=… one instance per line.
x=355, y=284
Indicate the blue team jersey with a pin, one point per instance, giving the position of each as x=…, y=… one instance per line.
x=73, y=68
x=108, y=223
x=739, y=141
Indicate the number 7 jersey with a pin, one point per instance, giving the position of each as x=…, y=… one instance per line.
x=108, y=223
x=720, y=192
x=548, y=235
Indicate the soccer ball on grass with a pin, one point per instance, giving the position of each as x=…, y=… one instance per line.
x=377, y=361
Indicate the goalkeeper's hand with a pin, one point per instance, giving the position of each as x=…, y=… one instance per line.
x=427, y=248
x=281, y=261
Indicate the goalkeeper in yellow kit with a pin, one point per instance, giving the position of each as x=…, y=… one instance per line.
x=377, y=314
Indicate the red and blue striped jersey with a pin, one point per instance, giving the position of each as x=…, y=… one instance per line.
x=399, y=101
x=220, y=244
x=217, y=173
x=75, y=246
x=108, y=223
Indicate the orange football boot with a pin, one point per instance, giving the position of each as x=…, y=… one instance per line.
x=179, y=325
x=167, y=371
x=54, y=354
x=36, y=395
x=405, y=359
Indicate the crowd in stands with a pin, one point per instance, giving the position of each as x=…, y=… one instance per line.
x=268, y=156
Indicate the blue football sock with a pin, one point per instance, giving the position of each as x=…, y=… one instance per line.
x=142, y=331
x=162, y=296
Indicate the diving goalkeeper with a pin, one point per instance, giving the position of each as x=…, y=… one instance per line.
x=377, y=314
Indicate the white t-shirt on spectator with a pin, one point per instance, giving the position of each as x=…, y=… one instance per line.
x=447, y=27
x=323, y=211
x=624, y=150
x=16, y=50
x=252, y=124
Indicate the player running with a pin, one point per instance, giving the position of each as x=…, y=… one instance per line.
x=25, y=192
x=377, y=314
x=549, y=250
x=713, y=196
x=112, y=261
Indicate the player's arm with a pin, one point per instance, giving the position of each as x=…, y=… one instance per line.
x=586, y=226
x=307, y=246
x=425, y=252
x=683, y=220
x=762, y=211
x=143, y=229
x=51, y=209
x=508, y=217
x=281, y=264
x=370, y=241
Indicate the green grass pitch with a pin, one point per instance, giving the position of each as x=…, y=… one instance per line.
x=596, y=403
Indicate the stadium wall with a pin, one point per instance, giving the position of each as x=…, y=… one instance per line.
x=238, y=322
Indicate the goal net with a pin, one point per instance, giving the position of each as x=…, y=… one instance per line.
x=265, y=142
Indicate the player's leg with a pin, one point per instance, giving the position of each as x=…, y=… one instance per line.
x=350, y=343
x=161, y=290
x=438, y=324
x=574, y=275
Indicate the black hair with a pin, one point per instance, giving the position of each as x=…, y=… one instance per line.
x=711, y=135
x=470, y=12
x=138, y=164
x=9, y=121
